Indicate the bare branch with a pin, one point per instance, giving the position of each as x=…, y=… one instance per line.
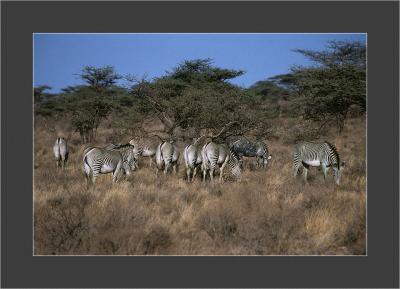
x=196, y=140
x=160, y=138
x=224, y=129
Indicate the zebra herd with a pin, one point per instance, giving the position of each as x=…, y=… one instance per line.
x=122, y=159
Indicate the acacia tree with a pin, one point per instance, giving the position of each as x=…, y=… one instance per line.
x=90, y=104
x=100, y=79
x=333, y=85
x=39, y=92
x=195, y=94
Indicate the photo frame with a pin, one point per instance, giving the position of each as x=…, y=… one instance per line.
x=378, y=269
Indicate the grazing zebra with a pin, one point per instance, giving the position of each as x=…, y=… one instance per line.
x=60, y=150
x=166, y=156
x=218, y=154
x=107, y=160
x=193, y=159
x=145, y=148
x=324, y=154
x=129, y=154
x=258, y=149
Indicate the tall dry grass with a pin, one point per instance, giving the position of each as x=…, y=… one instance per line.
x=267, y=213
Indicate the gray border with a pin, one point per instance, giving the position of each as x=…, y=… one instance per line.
x=378, y=19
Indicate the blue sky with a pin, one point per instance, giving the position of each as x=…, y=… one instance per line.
x=59, y=57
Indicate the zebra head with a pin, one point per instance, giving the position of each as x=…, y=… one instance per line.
x=134, y=156
x=129, y=156
x=337, y=172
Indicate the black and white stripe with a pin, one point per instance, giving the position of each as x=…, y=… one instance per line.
x=129, y=156
x=61, y=152
x=193, y=160
x=145, y=148
x=244, y=147
x=115, y=160
x=324, y=154
x=219, y=154
x=166, y=156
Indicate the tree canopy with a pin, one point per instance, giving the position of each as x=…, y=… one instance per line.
x=333, y=85
x=199, y=96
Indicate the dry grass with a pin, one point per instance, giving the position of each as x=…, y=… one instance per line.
x=267, y=213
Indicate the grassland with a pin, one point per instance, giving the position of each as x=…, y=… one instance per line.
x=268, y=213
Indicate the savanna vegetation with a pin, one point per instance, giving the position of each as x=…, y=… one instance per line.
x=268, y=212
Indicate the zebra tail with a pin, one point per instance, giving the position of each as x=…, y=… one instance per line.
x=158, y=155
x=86, y=162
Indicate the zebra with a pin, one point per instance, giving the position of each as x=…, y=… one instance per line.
x=116, y=160
x=219, y=154
x=324, y=154
x=129, y=152
x=258, y=149
x=166, y=156
x=145, y=148
x=61, y=152
x=193, y=159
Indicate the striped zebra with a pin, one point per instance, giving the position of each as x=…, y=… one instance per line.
x=129, y=155
x=116, y=160
x=244, y=147
x=60, y=150
x=145, y=148
x=324, y=154
x=218, y=154
x=166, y=156
x=193, y=159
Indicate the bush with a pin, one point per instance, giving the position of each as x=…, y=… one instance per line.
x=218, y=223
x=61, y=224
x=156, y=240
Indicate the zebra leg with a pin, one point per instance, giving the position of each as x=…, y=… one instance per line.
x=116, y=176
x=87, y=178
x=305, y=169
x=212, y=175
x=221, y=172
x=166, y=168
x=94, y=176
x=296, y=164
x=204, y=174
x=188, y=174
x=296, y=168
x=174, y=168
x=150, y=161
x=324, y=170
x=194, y=173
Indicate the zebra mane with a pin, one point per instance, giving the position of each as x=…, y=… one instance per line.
x=119, y=146
x=86, y=149
x=333, y=148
